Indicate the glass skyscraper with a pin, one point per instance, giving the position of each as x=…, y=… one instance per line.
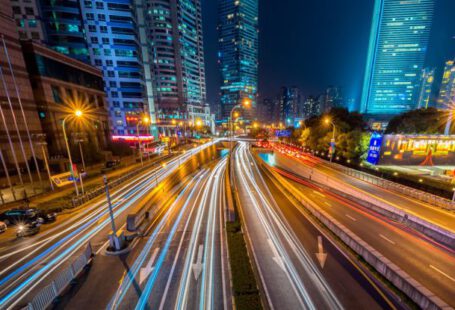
x=447, y=92
x=114, y=46
x=174, y=28
x=238, y=52
x=426, y=86
x=398, y=44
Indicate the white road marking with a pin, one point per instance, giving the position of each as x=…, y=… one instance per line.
x=442, y=272
x=350, y=217
x=387, y=239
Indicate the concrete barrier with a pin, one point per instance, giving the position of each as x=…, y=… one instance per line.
x=409, y=286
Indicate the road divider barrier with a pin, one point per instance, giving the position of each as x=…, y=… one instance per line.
x=419, y=294
x=48, y=294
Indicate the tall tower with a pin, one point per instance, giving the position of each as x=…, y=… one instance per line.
x=238, y=52
x=426, y=86
x=178, y=71
x=398, y=43
x=447, y=91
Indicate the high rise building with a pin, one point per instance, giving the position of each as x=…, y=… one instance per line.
x=291, y=102
x=311, y=107
x=398, y=44
x=175, y=28
x=332, y=99
x=114, y=47
x=19, y=120
x=426, y=86
x=238, y=53
x=447, y=91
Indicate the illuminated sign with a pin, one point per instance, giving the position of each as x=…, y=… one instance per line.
x=133, y=138
x=417, y=150
x=282, y=133
x=374, y=150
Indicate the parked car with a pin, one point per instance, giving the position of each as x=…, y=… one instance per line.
x=24, y=230
x=15, y=216
x=48, y=217
x=2, y=227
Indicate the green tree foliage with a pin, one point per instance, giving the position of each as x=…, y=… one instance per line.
x=350, y=134
x=421, y=121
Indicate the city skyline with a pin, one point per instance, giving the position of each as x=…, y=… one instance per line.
x=285, y=53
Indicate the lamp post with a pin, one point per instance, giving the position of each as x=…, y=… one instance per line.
x=41, y=141
x=246, y=103
x=332, y=142
x=78, y=114
x=145, y=120
x=79, y=141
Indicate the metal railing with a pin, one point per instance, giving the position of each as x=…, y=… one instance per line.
x=402, y=189
x=99, y=190
x=49, y=293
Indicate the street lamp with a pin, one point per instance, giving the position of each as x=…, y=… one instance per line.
x=78, y=113
x=328, y=121
x=145, y=120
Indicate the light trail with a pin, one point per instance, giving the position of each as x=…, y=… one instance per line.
x=138, y=263
x=270, y=219
x=128, y=199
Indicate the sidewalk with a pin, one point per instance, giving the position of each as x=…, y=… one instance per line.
x=94, y=178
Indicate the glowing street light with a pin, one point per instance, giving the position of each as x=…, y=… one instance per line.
x=78, y=114
x=328, y=121
x=144, y=121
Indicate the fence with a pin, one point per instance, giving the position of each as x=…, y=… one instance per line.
x=49, y=293
x=89, y=195
x=411, y=192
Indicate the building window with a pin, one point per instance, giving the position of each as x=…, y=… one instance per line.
x=32, y=23
x=98, y=62
x=112, y=84
x=94, y=40
x=118, y=113
x=110, y=73
x=90, y=16
x=36, y=36
x=88, y=3
x=107, y=52
x=99, y=5
x=101, y=17
x=109, y=63
x=56, y=94
x=103, y=29
x=105, y=40
x=91, y=28
x=114, y=94
x=29, y=11
x=116, y=104
x=16, y=10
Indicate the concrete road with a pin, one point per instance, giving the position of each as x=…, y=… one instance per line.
x=30, y=264
x=432, y=214
x=180, y=262
x=428, y=263
x=284, y=245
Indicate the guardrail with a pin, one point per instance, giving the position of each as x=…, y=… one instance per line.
x=89, y=195
x=402, y=189
x=408, y=285
x=49, y=293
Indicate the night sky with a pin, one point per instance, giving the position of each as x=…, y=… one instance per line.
x=317, y=43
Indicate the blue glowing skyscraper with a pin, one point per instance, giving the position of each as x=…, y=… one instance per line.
x=398, y=43
x=238, y=52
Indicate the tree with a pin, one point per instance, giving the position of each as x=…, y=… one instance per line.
x=420, y=121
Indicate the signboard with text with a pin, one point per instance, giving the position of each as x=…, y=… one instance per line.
x=374, y=150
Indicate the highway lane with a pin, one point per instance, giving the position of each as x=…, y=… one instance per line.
x=426, y=262
x=290, y=273
x=413, y=206
x=25, y=268
x=186, y=252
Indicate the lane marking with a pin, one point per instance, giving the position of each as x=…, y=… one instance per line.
x=350, y=217
x=328, y=204
x=442, y=272
x=387, y=239
x=318, y=193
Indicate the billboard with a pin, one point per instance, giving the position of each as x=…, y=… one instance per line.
x=414, y=150
x=374, y=151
